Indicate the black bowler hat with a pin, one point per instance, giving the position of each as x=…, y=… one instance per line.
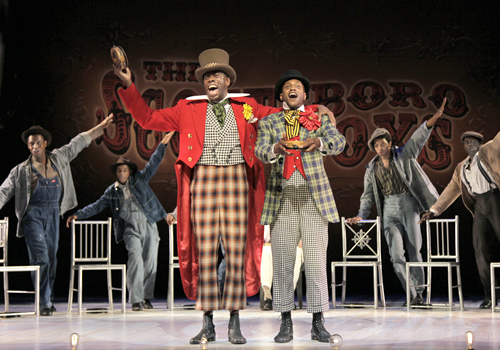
x=289, y=75
x=36, y=130
x=121, y=161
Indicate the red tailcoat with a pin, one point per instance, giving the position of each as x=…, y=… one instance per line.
x=188, y=118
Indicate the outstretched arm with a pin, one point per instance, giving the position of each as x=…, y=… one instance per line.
x=155, y=160
x=437, y=115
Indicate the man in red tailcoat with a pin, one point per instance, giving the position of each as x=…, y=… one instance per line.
x=220, y=187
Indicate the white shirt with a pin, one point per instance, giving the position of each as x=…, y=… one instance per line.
x=475, y=181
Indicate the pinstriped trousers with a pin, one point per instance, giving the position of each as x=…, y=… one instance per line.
x=219, y=208
x=298, y=217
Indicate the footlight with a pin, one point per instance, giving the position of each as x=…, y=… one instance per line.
x=73, y=340
x=335, y=341
x=469, y=337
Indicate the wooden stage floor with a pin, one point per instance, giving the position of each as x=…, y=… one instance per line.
x=361, y=328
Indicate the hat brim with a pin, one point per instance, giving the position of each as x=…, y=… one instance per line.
x=230, y=72
x=131, y=165
x=279, y=85
x=36, y=131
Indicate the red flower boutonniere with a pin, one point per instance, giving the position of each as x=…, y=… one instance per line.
x=309, y=120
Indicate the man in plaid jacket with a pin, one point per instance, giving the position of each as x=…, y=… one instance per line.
x=299, y=201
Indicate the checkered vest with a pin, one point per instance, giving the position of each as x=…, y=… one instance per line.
x=222, y=146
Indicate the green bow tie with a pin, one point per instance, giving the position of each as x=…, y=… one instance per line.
x=220, y=110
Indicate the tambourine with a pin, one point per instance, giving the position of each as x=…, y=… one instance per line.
x=118, y=54
x=293, y=144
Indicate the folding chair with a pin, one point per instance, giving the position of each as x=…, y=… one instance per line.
x=442, y=251
x=494, y=266
x=91, y=251
x=361, y=248
x=4, y=237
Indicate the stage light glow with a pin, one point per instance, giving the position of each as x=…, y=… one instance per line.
x=204, y=342
x=336, y=341
x=73, y=340
x=469, y=337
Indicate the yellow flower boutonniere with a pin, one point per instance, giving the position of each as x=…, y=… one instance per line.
x=248, y=113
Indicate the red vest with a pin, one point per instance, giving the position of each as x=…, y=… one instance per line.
x=293, y=162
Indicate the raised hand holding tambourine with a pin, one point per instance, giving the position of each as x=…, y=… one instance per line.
x=118, y=55
x=120, y=65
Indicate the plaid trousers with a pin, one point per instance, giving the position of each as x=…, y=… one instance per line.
x=219, y=208
x=299, y=217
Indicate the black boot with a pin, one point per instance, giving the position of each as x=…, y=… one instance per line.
x=318, y=331
x=286, y=329
x=208, y=329
x=234, y=333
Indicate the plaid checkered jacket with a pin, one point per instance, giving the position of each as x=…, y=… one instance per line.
x=270, y=131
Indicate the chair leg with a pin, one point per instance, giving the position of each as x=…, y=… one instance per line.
x=493, y=288
x=450, y=290
x=334, y=296
x=344, y=283
x=37, y=292
x=124, y=289
x=110, y=290
x=170, y=288
x=71, y=289
x=6, y=290
x=429, y=284
x=375, y=287
x=408, y=294
x=381, y=284
x=459, y=287
x=80, y=291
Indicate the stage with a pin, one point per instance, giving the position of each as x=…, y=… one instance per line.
x=361, y=328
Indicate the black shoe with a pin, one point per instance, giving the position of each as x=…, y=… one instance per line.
x=487, y=304
x=208, y=329
x=146, y=304
x=318, y=331
x=286, y=328
x=46, y=311
x=53, y=308
x=268, y=305
x=136, y=307
x=234, y=333
x=418, y=301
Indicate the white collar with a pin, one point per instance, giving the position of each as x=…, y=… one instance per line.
x=205, y=97
x=301, y=108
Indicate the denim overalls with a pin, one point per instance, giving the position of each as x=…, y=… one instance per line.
x=141, y=240
x=41, y=232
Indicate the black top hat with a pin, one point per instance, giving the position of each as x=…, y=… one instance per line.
x=289, y=75
x=121, y=161
x=36, y=130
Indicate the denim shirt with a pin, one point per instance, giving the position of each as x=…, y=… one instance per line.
x=405, y=160
x=138, y=184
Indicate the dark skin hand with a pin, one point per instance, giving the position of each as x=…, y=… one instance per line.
x=310, y=145
x=427, y=216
